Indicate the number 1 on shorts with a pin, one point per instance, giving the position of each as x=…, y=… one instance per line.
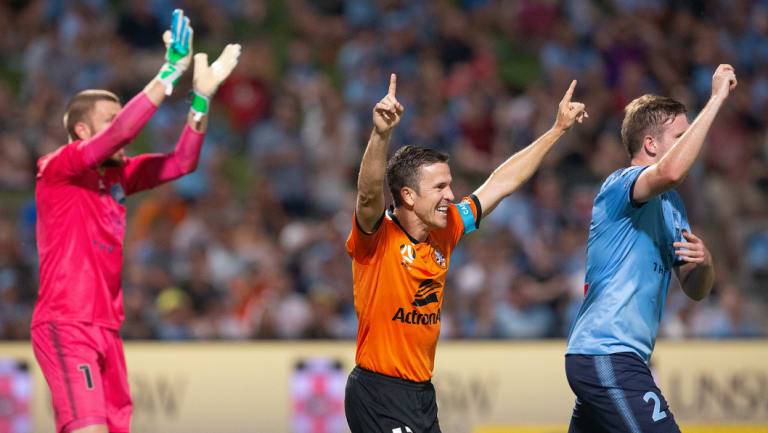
x=87, y=372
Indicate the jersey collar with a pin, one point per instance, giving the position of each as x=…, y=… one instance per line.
x=391, y=215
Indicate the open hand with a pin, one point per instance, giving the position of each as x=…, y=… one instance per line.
x=178, y=41
x=207, y=79
x=388, y=112
x=178, y=51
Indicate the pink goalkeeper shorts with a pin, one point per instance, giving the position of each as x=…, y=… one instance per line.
x=84, y=366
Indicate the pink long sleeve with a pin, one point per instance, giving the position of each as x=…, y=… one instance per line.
x=150, y=170
x=123, y=129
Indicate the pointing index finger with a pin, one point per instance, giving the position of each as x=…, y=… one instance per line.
x=569, y=92
x=392, y=84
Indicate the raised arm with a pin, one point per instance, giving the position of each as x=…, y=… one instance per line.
x=370, y=181
x=131, y=119
x=521, y=166
x=207, y=80
x=672, y=168
x=147, y=171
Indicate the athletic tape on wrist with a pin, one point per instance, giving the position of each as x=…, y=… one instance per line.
x=169, y=75
x=200, y=105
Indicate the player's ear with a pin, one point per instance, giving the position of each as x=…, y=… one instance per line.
x=408, y=195
x=649, y=145
x=83, y=131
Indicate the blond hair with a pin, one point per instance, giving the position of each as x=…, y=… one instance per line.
x=645, y=116
x=81, y=105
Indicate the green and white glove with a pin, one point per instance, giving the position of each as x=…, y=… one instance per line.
x=178, y=54
x=207, y=79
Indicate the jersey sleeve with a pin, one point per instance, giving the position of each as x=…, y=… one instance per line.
x=680, y=223
x=464, y=217
x=150, y=170
x=617, y=190
x=121, y=131
x=65, y=162
x=76, y=157
x=361, y=245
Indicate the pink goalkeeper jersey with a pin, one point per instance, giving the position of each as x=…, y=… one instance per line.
x=81, y=216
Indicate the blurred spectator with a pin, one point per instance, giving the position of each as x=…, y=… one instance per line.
x=138, y=26
x=252, y=245
x=732, y=319
x=245, y=95
x=276, y=151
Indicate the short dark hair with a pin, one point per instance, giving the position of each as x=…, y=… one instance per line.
x=404, y=168
x=81, y=105
x=645, y=115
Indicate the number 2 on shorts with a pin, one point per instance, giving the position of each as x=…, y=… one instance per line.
x=87, y=372
x=399, y=430
x=657, y=414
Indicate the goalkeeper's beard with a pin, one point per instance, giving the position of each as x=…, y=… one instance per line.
x=116, y=160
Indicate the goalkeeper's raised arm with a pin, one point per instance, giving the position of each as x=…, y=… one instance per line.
x=150, y=170
x=96, y=118
x=206, y=81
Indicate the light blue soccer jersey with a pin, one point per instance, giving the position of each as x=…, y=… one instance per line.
x=629, y=260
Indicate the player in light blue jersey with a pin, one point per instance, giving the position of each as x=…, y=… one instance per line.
x=639, y=233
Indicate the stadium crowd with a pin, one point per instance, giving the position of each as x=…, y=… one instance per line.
x=251, y=245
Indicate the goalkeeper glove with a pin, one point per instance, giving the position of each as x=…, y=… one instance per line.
x=207, y=79
x=178, y=43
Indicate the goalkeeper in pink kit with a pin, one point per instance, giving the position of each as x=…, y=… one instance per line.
x=80, y=195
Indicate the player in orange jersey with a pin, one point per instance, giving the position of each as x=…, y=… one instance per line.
x=400, y=257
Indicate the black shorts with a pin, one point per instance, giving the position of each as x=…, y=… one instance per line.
x=376, y=403
x=616, y=393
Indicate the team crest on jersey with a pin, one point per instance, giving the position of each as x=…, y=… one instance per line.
x=677, y=221
x=117, y=193
x=407, y=254
x=438, y=256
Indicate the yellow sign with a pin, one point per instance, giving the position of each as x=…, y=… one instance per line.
x=698, y=428
x=482, y=387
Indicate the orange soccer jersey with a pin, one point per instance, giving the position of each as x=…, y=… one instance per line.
x=398, y=288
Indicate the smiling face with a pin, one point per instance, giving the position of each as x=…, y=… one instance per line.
x=419, y=179
x=430, y=202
